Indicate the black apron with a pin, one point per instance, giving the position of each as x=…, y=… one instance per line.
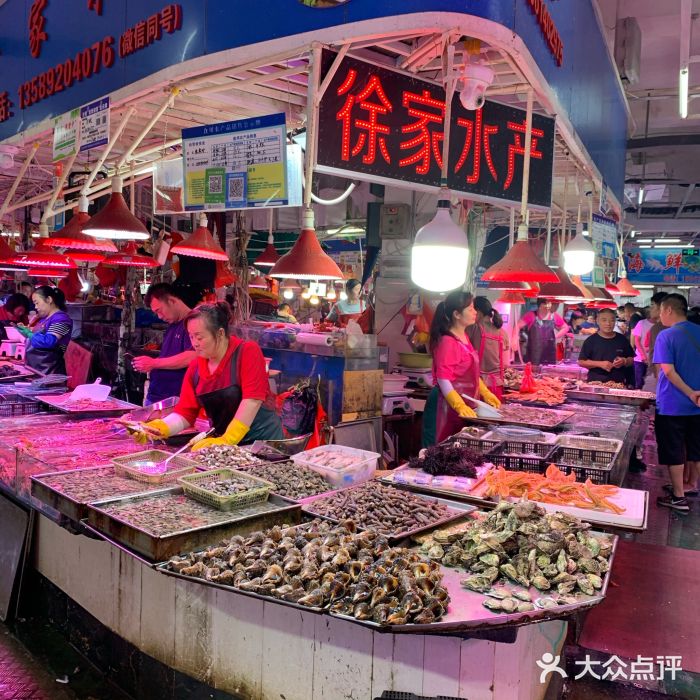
x=542, y=343
x=47, y=361
x=221, y=406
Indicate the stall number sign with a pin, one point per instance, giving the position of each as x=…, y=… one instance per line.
x=94, y=124
x=384, y=126
x=236, y=165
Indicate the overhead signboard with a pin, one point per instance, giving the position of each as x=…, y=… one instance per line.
x=236, y=165
x=94, y=124
x=604, y=237
x=66, y=135
x=663, y=266
x=383, y=126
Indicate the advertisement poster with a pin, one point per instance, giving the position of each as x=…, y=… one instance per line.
x=94, y=124
x=236, y=165
x=66, y=135
x=663, y=266
x=604, y=237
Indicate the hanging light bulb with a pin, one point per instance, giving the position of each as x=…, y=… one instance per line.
x=343, y=295
x=579, y=254
x=306, y=294
x=331, y=296
x=115, y=220
x=440, y=251
x=288, y=294
x=314, y=300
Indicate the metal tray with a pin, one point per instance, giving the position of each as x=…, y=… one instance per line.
x=604, y=397
x=161, y=547
x=113, y=407
x=558, y=417
x=76, y=509
x=457, y=510
x=24, y=372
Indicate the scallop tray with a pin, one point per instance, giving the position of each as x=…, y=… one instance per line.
x=194, y=486
x=177, y=467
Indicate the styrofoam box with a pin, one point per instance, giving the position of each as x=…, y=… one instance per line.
x=362, y=470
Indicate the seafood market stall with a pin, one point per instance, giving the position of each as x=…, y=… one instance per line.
x=304, y=586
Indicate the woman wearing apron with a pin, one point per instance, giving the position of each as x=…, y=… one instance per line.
x=227, y=380
x=544, y=329
x=490, y=342
x=455, y=364
x=48, y=339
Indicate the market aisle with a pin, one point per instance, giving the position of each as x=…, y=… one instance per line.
x=22, y=677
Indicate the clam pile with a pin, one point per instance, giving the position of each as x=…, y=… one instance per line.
x=291, y=480
x=383, y=509
x=523, y=544
x=228, y=484
x=225, y=457
x=325, y=566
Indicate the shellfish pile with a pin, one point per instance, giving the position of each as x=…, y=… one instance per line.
x=291, y=480
x=520, y=542
x=326, y=566
x=383, y=509
x=225, y=457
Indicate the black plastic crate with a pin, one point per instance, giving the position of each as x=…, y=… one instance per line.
x=501, y=457
x=598, y=469
x=474, y=443
x=541, y=449
x=13, y=406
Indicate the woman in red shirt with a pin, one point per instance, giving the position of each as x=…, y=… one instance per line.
x=456, y=369
x=228, y=380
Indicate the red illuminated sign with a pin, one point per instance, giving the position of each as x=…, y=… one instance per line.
x=388, y=125
x=549, y=29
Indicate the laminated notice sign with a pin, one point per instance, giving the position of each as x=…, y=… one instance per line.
x=66, y=135
x=94, y=124
x=236, y=165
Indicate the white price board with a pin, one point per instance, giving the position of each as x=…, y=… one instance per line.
x=94, y=124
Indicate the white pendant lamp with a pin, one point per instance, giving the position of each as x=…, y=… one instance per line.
x=579, y=254
x=440, y=252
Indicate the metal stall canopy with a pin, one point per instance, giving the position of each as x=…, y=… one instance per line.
x=228, y=63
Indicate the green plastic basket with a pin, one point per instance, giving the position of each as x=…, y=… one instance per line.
x=258, y=493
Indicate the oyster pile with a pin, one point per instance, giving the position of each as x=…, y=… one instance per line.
x=225, y=457
x=383, y=509
x=291, y=480
x=322, y=565
x=550, y=551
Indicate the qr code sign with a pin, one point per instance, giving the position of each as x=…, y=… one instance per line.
x=216, y=185
x=236, y=189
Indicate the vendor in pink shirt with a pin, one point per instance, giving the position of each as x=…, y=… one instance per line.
x=544, y=329
x=456, y=370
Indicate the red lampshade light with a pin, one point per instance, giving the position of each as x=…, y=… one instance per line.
x=71, y=236
x=306, y=260
x=86, y=256
x=520, y=264
x=611, y=287
x=41, y=255
x=6, y=257
x=201, y=244
x=55, y=273
x=269, y=256
x=130, y=257
x=115, y=220
x=563, y=290
x=626, y=288
x=511, y=298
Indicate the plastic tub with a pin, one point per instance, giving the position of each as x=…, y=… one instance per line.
x=362, y=469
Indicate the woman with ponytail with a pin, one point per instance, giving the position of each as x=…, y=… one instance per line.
x=48, y=340
x=490, y=342
x=455, y=364
x=227, y=379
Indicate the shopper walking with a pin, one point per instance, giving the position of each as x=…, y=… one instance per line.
x=677, y=352
x=640, y=342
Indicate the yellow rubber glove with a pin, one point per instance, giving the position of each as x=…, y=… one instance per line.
x=488, y=397
x=456, y=402
x=153, y=430
x=235, y=432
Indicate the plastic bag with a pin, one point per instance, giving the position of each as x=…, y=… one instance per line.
x=299, y=408
x=527, y=384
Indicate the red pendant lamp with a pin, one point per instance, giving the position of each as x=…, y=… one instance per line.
x=610, y=286
x=563, y=290
x=511, y=298
x=72, y=238
x=42, y=255
x=130, y=257
x=306, y=260
x=587, y=294
x=625, y=287
x=201, y=244
x=520, y=264
x=6, y=257
x=114, y=220
x=86, y=256
x=55, y=273
x=269, y=256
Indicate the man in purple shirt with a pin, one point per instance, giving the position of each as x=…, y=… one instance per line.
x=167, y=371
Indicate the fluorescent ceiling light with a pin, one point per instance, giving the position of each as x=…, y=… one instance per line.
x=640, y=195
x=633, y=234
x=643, y=286
x=645, y=240
x=682, y=245
x=666, y=240
x=684, y=286
x=643, y=246
x=683, y=93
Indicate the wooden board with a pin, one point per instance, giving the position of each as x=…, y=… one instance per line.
x=362, y=394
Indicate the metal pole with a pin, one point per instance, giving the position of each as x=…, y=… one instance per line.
x=511, y=231
x=562, y=233
x=5, y=205
x=48, y=209
x=449, y=94
x=108, y=149
x=174, y=92
x=548, y=241
x=524, y=215
x=312, y=128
